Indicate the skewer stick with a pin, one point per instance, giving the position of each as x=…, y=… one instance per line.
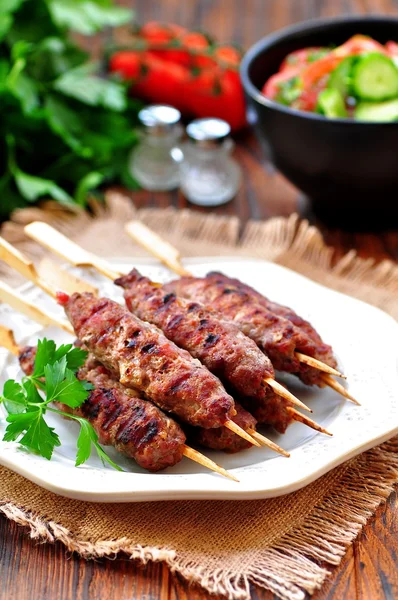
x=206, y=462
x=58, y=243
x=47, y=276
x=337, y=387
x=267, y=443
x=7, y=341
x=155, y=245
x=232, y=426
x=170, y=257
x=317, y=364
x=30, y=310
x=282, y=391
x=296, y=416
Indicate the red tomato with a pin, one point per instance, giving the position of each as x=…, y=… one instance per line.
x=271, y=86
x=163, y=82
x=228, y=54
x=359, y=44
x=392, y=48
x=159, y=33
x=129, y=64
x=319, y=68
x=299, y=58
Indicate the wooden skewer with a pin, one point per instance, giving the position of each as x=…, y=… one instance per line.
x=317, y=364
x=156, y=246
x=55, y=241
x=268, y=443
x=339, y=388
x=282, y=391
x=38, y=315
x=30, y=310
x=47, y=275
x=306, y=421
x=206, y=462
x=7, y=340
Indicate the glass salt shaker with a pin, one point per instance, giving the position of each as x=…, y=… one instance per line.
x=209, y=175
x=155, y=162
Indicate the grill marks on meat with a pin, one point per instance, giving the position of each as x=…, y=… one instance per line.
x=143, y=359
x=135, y=427
x=324, y=352
x=275, y=335
x=219, y=345
x=222, y=438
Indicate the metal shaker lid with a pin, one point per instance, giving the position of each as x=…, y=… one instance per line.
x=159, y=119
x=208, y=132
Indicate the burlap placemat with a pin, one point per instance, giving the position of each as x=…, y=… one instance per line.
x=284, y=544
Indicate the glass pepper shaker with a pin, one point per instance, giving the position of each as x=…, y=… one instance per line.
x=209, y=175
x=155, y=162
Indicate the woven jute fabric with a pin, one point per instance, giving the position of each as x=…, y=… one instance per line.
x=284, y=544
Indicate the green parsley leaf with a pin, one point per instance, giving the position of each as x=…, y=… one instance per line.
x=45, y=355
x=87, y=438
x=14, y=397
x=54, y=375
x=32, y=188
x=69, y=390
x=19, y=423
x=83, y=443
x=75, y=356
x=39, y=437
x=67, y=124
x=82, y=84
x=87, y=16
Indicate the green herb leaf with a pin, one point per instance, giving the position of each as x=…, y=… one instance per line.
x=87, y=17
x=54, y=375
x=5, y=25
x=14, y=397
x=63, y=386
x=39, y=437
x=19, y=423
x=32, y=188
x=45, y=354
x=75, y=357
x=10, y=6
x=88, y=437
x=89, y=182
x=82, y=84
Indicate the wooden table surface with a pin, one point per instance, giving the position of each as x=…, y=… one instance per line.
x=369, y=569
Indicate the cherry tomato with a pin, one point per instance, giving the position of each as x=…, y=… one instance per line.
x=128, y=63
x=271, y=87
x=392, y=48
x=301, y=57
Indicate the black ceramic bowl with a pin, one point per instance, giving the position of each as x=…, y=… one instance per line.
x=348, y=169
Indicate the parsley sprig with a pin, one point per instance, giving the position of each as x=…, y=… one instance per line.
x=53, y=379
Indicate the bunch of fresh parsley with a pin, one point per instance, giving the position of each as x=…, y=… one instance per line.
x=53, y=379
x=64, y=129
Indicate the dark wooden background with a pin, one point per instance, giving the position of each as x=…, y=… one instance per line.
x=369, y=569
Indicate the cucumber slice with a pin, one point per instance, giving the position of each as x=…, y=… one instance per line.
x=377, y=112
x=331, y=104
x=340, y=78
x=375, y=77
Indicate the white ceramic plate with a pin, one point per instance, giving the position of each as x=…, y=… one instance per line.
x=365, y=342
